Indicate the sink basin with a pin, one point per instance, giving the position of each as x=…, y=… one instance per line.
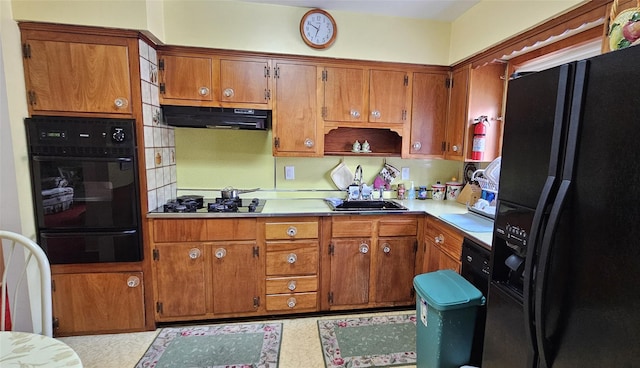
x=372, y=205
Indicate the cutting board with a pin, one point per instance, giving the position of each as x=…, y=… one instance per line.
x=469, y=222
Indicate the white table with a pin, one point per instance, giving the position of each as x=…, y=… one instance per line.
x=23, y=349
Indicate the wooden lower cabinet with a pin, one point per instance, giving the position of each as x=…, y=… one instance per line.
x=99, y=302
x=201, y=278
x=443, y=246
x=372, y=261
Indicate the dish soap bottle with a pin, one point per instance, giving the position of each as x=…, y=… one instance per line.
x=412, y=191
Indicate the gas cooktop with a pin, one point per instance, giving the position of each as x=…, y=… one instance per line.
x=188, y=204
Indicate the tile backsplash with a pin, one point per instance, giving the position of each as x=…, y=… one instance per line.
x=159, y=139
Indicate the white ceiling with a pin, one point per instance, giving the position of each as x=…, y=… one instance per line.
x=441, y=10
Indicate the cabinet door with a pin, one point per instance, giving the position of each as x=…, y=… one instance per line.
x=237, y=274
x=436, y=260
x=350, y=265
x=388, y=96
x=458, y=113
x=428, y=114
x=295, y=123
x=245, y=81
x=78, y=77
x=344, y=94
x=181, y=279
x=86, y=303
x=395, y=269
x=186, y=78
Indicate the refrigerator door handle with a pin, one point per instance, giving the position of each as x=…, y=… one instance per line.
x=544, y=350
x=529, y=269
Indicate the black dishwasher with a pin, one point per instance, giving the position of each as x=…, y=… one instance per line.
x=475, y=269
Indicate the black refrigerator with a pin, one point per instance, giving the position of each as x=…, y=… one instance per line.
x=565, y=261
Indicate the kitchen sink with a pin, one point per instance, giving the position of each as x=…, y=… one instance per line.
x=373, y=205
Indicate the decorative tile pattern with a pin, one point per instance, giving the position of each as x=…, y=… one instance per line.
x=159, y=139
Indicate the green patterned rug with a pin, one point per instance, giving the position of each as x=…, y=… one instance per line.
x=382, y=341
x=215, y=346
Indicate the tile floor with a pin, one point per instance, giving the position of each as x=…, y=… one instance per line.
x=300, y=345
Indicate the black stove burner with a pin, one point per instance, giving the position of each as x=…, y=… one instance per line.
x=183, y=204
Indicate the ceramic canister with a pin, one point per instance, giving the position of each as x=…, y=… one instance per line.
x=453, y=190
x=437, y=191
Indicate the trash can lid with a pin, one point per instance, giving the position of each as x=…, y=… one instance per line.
x=445, y=289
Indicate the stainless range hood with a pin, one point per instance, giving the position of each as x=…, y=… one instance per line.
x=216, y=117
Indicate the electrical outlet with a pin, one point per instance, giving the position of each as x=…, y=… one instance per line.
x=405, y=173
x=289, y=173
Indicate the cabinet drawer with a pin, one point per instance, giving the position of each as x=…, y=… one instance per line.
x=444, y=237
x=296, y=284
x=351, y=228
x=292, y=259
x=232, y=229
x=291, y=230
x=283, y=302
x=398, y=227
x=172, y=230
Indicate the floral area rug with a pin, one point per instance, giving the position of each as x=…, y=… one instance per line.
x=382, y=341
x=215, y=346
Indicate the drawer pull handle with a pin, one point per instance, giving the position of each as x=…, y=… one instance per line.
x=121, y=102
x=291, y=302
x=292, y=285
x=364, y=248
x=308, y=143
x=292, y=258
x=133, y=281
x=386, y=248
x=195, y=253
x=416, y=146
x=439, y=239
x=228, y=92
x=203, y=91
x=220, y=253
x=355, y=114
x=292, y=231
x=376, y=114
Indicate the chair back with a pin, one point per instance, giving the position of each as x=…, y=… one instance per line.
x=19, y=267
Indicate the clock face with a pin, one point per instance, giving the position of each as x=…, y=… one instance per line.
x=318, y=29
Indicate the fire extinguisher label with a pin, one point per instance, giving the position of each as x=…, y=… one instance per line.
x=478, y=144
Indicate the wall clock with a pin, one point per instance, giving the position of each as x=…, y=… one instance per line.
x=318, y=29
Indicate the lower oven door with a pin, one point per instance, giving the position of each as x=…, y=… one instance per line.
x=92, y=247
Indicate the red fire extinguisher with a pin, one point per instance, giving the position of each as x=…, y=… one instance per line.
x=479, y=134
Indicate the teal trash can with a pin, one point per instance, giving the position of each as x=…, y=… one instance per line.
x=446, y=307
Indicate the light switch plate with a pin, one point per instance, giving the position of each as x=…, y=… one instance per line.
x=405, y=173
x=289, y=173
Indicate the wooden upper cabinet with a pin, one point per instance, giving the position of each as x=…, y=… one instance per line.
x=457, y=119
x=389, y=94
x=245, y=81
x=186, y=78
x=203, y=79
x=344, y=94
x=295, y=121
x=429, y=114
x=79, y=73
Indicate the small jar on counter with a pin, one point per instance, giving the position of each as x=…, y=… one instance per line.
x=401, y=190
x=422, y=192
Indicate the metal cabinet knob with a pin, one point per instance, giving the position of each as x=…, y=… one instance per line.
x=439, y=239
x=292, y=231
x=229, y=92
x=292, y=285
x=364, y=248
x=386, y=248
x=376, y=114
x=417, y=145
x=308, y=143
x=133, y=281
x=292, y=258
x=220, y=253
x=454, y=148
x=355, y=113
x=121, y=102
x=194, y=253
x=203, y=91
x=291, y=302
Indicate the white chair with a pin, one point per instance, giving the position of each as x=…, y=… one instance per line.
x=19, y=268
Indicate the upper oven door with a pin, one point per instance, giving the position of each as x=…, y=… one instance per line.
x=85, y=192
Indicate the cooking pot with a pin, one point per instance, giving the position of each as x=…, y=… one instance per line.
x=230, y=193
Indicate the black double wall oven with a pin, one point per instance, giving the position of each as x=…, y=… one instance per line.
x=85, y=189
